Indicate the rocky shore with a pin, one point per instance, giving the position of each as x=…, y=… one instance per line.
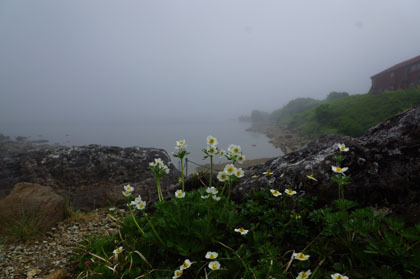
x=384, y=169
x=285, y=139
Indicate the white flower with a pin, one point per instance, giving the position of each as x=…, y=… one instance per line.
x=312, y=177
x=241, y=159
x=275, y=193
x=159, y=161
x=133, y=203
x=236, y=150
x=300, y=256
x=339, y=170
x=230, y=148
x=222, y=152
x=111, y=209
x=342, y=147
x=177, y=274
x=211, y=255
x=212, y=190
x=118, y=250
x=229, y=169
x=141, y=205
x=128, y=188
x=126, y=194
x=187, y=263
x=216, y=198
x=138, y=199
x=268, y=173
x=181, y=143
x=239, y=173
x=166, y=169
x=211, y=150
x=290, y=192
x=338, y=276
x=179, y=194
x=205, y=197
x=152, y=164
x=212, y=141
x=222, y=176
x=214, y=265
x=241, y=231
x=304, y=274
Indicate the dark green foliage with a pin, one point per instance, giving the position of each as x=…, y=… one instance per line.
x=341, y=238
x=285, y=114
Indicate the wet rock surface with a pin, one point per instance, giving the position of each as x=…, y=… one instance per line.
x=384, y=166
x=89, y=176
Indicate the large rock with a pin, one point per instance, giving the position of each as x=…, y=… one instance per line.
x=384, y=166
x=33, y=202
x=90, y=176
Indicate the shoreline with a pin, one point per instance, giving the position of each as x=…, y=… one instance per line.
x=285, y=139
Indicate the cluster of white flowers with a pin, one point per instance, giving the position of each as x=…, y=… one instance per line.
x=235, y=153
x=137, y=202
x=127, y=190
x=213, y=265
x=211, y=191
x=178, y=273
x=342, y=147
x=181, y=145
x=158, y=165
x=228, y=171
x=212, y=148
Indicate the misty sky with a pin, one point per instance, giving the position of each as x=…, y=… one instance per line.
x=87, y=60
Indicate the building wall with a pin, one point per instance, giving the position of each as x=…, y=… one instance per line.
x=400, y=78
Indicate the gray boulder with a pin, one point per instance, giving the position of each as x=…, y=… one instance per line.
x=89, y=176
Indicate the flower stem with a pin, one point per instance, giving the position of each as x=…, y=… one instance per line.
x=135, y=221
x=182, y=174
x=211, y=170
x=153, y=227
x=159, y=190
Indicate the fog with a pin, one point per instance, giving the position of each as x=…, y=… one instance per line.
x=121, y=61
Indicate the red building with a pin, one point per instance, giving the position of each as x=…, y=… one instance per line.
x=400, y=76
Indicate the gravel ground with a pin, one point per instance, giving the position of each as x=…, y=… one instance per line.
x=49, y=257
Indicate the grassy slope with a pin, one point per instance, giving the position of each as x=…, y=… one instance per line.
x=353, y=115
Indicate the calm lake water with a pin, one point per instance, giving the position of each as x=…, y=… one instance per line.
x=158, y=134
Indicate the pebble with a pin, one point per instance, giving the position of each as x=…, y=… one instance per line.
x=50, y=256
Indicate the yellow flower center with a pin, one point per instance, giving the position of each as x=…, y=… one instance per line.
x=230, y=170
x=304, y=275
x=185, y=265
x=178, y=273
x=214, y=266
x=235, y=150
x=343, y=147
x=275, y=192
x=212, y=256
x=211, y=141
x=301, y=256
x=339, y=169
x=179, y=194
x=339, y=277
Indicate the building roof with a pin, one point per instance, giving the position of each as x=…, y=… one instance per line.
x=399, y=65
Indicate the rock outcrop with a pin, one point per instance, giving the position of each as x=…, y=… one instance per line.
x=384, y=166
x=89, y=176
x=34, y=203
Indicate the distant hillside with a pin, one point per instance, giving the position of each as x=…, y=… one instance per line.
x=353, y=115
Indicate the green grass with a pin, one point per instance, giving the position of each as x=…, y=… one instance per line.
x=26, y=227
x=352, y=115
